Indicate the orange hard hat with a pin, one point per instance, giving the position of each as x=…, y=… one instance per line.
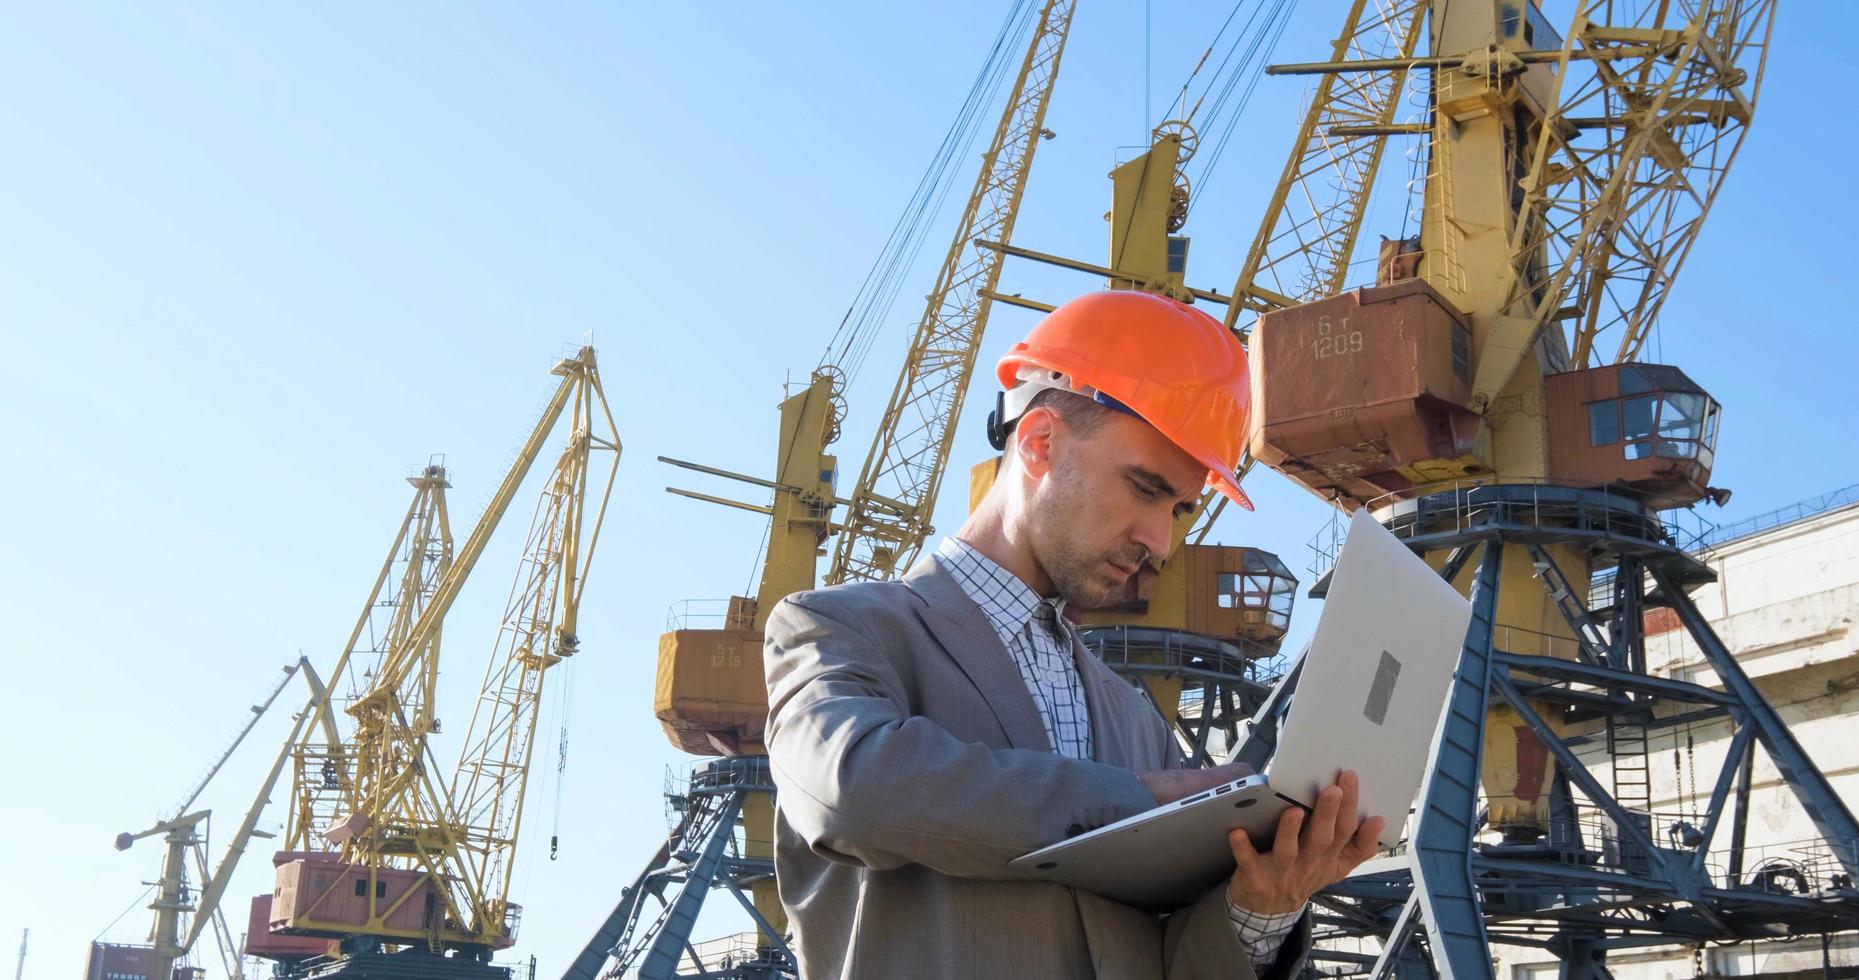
x=1164, y=362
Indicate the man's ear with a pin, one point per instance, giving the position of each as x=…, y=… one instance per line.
x=1032, y=441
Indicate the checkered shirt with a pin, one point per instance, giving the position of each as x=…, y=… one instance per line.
x=1039, y=640
x=1036, y=635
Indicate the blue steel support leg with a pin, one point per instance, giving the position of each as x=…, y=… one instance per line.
x=1590, y=786
x=588, y=963
x=1822, y=804
x=1720, y=792
x=1445, y=896
x=1592, y=641
x=768, y=931
x=661, y=961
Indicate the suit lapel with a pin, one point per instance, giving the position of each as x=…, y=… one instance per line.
x=1106, y=731
x=965, y=633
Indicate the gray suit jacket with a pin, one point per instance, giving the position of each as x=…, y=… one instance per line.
x=911, y=765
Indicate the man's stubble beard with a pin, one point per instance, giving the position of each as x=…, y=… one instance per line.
x=1075, y=571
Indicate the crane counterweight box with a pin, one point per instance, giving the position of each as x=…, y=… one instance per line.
x=711, y=696
x=1365, y=393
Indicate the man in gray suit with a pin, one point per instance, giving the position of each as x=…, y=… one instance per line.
x=925, y=732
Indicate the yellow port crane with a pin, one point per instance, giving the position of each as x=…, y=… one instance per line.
x=383, y=849
x=1561, y=182
x=1484, y=397
x=173, y=936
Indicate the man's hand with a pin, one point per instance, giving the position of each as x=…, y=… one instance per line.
x=1309, y=852
x=1169, y=785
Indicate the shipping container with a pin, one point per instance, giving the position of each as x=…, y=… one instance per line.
x=118, y=961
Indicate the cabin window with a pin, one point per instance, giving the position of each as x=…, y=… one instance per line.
x=1262, y=583
x=1231, y=591
x=1603, y=423
x=1681, y=416
x=1659, y=413
x=1637, y=416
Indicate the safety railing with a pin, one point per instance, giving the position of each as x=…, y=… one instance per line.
x=728, y=953
x=697, y=614
x=1466, y=505
x=1139, y=649
x=1697, y=535
x=1798, y=511
x=1595, y=840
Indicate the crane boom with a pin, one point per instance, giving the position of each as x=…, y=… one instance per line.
x=888, y=517
x=183, y=836
x=329, y=771
x=538, y=632
x=1624, y=172
x=402, y=807
x=246, y=725
x=214, y=885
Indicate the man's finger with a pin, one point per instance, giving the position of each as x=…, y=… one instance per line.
x=1322, y=825
x=1346, y=814
x=1364, y=844
x=1244, y=854
x=1284, y=844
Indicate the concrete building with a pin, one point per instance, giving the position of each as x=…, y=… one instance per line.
x=1785, y=600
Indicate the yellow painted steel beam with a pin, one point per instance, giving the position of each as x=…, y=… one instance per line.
x=1022, y=302
x=1092, y=268
x=732, y=475
x=1650, y=47
x=1611, y=218
x=725, y=501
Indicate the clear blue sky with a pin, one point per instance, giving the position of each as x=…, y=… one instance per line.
x=259, y=260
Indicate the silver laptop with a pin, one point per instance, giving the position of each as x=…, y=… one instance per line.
x=1374, y=681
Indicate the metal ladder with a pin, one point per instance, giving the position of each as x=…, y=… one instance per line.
x=1632, y=779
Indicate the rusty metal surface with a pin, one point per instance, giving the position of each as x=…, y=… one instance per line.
x=1665, y=481
x=1350, y=390
x=261, y=941
x=318, y=893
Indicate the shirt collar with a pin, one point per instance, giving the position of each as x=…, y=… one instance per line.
x=1006, y=600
